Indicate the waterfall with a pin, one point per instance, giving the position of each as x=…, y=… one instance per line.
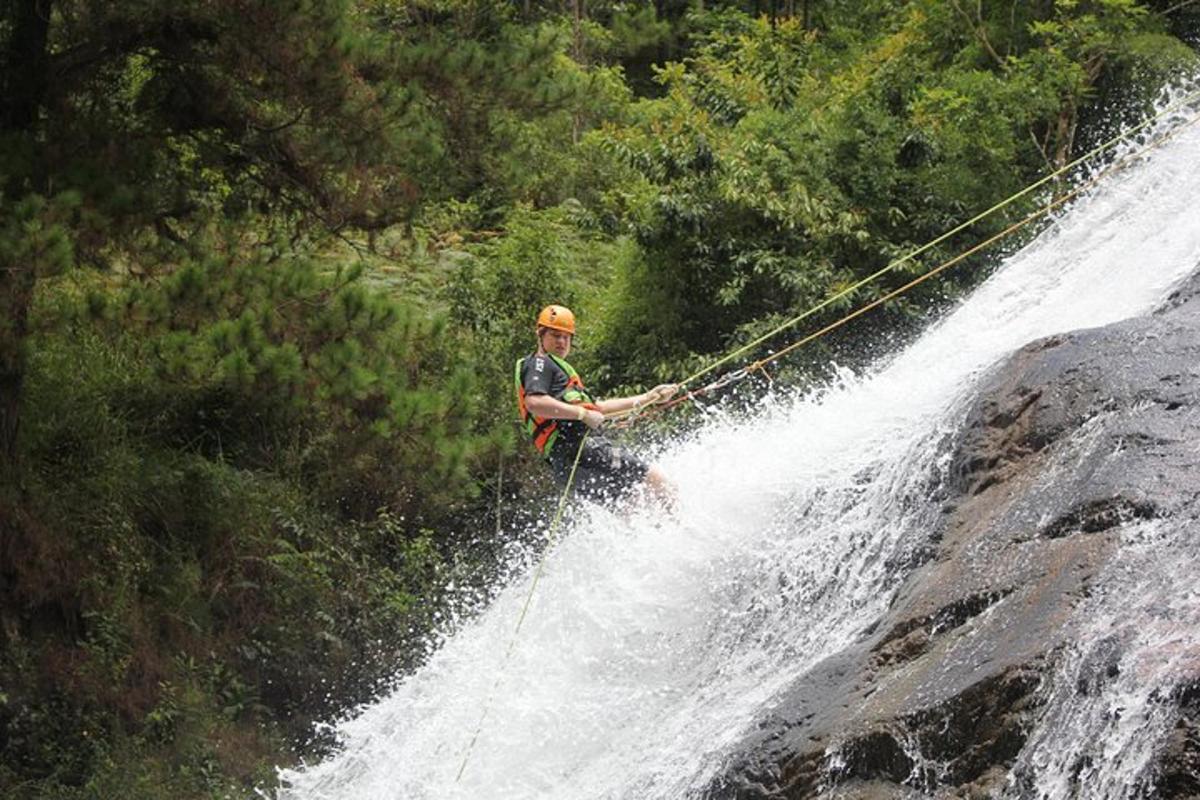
x=654, y=639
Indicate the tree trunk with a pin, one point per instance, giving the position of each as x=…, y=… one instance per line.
x=1064, y=135
x=22, y=93
x=1060, y=138
x=577, y=31
x=16, y=294
x=579, y=54
x=24, y=77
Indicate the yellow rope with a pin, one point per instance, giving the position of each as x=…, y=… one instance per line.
x=923, y=248
x=537, y=574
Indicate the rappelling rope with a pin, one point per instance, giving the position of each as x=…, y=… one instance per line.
x=636, y=411
x=537, y=574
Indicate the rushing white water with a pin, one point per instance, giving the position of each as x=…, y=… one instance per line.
x=1109, y=701
x=652, y=642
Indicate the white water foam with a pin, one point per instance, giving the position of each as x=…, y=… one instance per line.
x=652, y=642
x=1109, y=701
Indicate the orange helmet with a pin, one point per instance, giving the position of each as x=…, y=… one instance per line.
x=559, y=318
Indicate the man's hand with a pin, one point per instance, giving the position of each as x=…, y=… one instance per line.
x=661, y=393
x=593, y=419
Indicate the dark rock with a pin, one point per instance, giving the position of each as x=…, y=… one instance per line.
x=1074, y=437
x=1179, y=774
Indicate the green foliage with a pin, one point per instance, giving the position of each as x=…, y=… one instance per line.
x=208, y=594
x=635, y=29
x=258, y=432
x=536, y=161
x=218, y=106
x=782, y=165
x=500, y=282
x=259, y=361
x=34, y=233
x=499, y=286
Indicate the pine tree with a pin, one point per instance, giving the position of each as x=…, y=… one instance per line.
x=141, y=113
x=128, y=125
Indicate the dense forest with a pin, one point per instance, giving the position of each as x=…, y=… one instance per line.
x=265, y=268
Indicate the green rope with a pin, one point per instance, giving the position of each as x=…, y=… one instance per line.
x=537, y=574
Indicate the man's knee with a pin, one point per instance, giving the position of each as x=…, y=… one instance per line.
x=660, y=485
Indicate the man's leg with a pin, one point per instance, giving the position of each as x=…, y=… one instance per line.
x=660, y=487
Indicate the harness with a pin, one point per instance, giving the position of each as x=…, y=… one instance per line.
x=544, y=430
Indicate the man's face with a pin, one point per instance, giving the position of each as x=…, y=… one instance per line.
x=556, y=342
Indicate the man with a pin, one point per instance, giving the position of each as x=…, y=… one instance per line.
x=555, y=408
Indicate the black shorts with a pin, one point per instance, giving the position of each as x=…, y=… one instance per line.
x=606, y=472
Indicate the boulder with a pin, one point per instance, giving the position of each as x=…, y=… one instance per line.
x=1071, y=440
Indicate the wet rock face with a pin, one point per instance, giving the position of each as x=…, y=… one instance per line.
x=1071, y=441
x=1180, y=765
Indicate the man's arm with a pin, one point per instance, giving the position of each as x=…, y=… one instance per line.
x=638, y=401
x=543, y=405
x=539, y=377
